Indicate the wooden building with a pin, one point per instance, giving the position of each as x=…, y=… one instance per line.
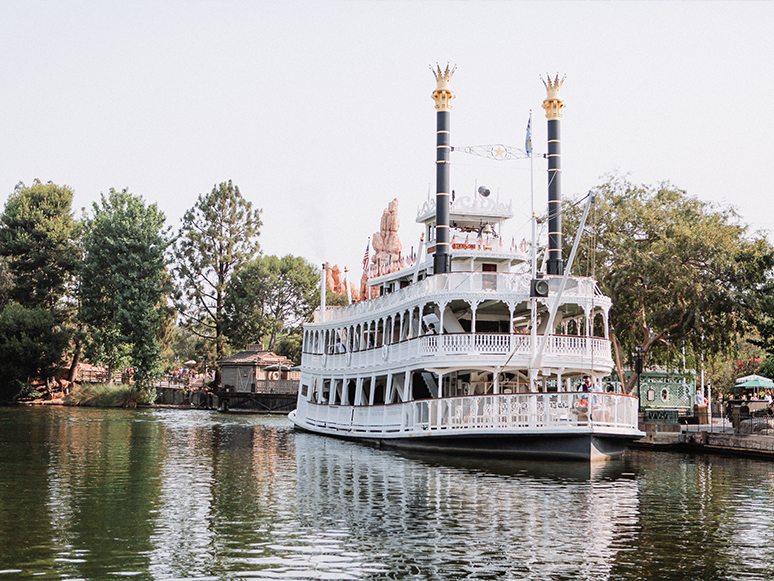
x=258, y=379
x=258, y=371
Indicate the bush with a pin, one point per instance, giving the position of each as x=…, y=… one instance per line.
x=104, y=395
x=28, y=392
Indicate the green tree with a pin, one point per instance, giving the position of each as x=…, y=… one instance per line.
x=183, y=345
x=290, y=345
x=269, y=295
x=681, y=273
x=37, y=261
x=218, y=236
x=123, y=283
x=31, y=345
x=37, y=231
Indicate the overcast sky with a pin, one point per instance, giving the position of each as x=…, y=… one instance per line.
x=321, y=111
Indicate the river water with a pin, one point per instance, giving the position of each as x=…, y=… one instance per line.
x=171, y=494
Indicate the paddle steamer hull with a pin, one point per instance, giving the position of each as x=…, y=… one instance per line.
x=578, y=447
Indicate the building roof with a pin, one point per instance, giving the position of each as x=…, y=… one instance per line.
x=256, y=358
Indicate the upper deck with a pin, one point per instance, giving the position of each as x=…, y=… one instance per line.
x=510, y=288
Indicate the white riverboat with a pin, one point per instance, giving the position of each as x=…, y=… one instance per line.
x=473, y=353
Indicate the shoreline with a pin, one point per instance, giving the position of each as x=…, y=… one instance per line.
x=701, y=439
x=707, y=439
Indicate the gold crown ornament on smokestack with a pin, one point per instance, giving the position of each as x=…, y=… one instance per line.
x=443, y=95
x=553, y=104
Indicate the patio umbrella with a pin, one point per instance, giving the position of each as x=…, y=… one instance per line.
x=758, y=382
x=190, y=362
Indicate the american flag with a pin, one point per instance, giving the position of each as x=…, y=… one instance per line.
x=365, y=258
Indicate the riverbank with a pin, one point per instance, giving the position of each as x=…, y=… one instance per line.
x=184, y=398
x=716, y=438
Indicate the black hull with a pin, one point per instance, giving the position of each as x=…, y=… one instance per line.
x=563, y=447
x=546, y=447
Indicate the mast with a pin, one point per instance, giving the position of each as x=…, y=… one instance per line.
x=553, y=106
x=528, y=147
x=443, y=97
x=323, y=288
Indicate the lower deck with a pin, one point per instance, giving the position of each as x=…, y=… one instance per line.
x=559, y=423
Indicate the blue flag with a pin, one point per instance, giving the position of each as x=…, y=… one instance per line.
x=528, y=140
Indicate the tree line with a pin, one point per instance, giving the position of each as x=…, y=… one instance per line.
x=691, y=285
x=117, y=287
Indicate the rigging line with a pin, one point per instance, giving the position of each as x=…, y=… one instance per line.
x=563, y=210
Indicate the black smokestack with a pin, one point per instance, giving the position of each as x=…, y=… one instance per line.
x=553, y=106
x=443, y=97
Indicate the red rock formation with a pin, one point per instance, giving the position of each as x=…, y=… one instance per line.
x=336, y=283
x=387, y=246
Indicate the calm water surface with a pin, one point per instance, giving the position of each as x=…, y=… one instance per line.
x=170, y=494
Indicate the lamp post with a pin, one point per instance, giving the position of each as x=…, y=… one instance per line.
x=639, y=354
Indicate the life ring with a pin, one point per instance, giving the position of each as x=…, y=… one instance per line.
x=274, y=375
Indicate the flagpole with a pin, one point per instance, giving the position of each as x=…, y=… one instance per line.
x=532, y=197
x=533, y=300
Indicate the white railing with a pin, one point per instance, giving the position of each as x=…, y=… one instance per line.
x=521, y=413
x=506, y=285
x=590, y=351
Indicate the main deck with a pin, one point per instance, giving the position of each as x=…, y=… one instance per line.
x=557, y=423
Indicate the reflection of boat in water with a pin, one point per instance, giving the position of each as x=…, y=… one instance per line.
x=469, y=350
x=534, y=469
x=436, y=517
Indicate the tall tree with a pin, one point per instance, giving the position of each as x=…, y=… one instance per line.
x=681, y=273
x=218, y=236
x=37, y=261
x=269, y=295
x=123, y=283
x=36, y=238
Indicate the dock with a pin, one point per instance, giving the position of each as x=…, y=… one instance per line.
x=717, y=437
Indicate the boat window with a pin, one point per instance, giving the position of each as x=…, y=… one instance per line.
x=326, y=391
x=398, y=388
x=365, y=392
x=351, y=390
x=420, y=388
x=336, y=391
x=380, y=385
x=489, y=281
x=315, y=388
